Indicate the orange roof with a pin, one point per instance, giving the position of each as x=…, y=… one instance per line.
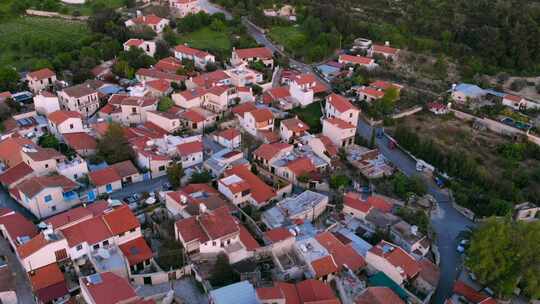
x=269, y=293
x=16, y=224
x=77, y=214
x=278, y=234
x=10, y=149
x=136, y=251
x=208, y=80
x=513, y=97
x=80, y=141
x=342, y=254
x=169, y=65
x=384, y=49
x=269, y=151
x=247, y=239
x=218, y=223
x=354, y=200
x=190, y=230
x=276, y=94
x=193, y=116
x=15, y=174
x=340, y=103
x=361, y=60
x=190, y=51
x=378, y=295
x=41, y=74
x=190, y=148
x=157, y=74
x=301, y=166
x=340, y=123
x=396, y=256
x=324, y=266
x=104, y=176
x=262, y=115
x=295, y=125
x=121, y=220
x=260, y=191
x=91, y=231
x=161, y=85
x=260, y=52
x=379, y=203
x=315, y=291
x=148, y=20
x=383, y=85
x=59, y=117
x=134, y=42
x=30, y=247
x=241, y=109
x=111, y=290
x=329, y=145
x=33, y=186
x=290, y=292
x=372, y=92
x=46, y=276
x=229, y=134
x=468, y=292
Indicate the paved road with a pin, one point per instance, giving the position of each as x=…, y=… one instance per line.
x=447, y=223
x=144, y=186
x=211, y=8
x=22, y=285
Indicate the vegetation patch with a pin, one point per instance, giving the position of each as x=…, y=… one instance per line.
x=311, y=115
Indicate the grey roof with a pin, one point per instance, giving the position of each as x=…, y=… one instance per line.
x=237, y=293
x=357, y=243
x=79, y=90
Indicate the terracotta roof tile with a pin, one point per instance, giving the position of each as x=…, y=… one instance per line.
x=46, y=276
x=190, y=230
x=16, y=173
x=104, y=176
x=324, y=266
x=342, y=254
x=190, y=51
x=260, y=52
x=378, y=295
x=340, y=123
x=241, y=109
x=270, y=293
x=33, y=186
x=361, y=60
x=301, y=166
x=384, y=49
x=340, y=103
x=76, y=214
x=17, y=225
x=247, y=239
x=468, y=292
x=295, y=125
x=112, y=289
x=190, y=148
x=91, y=231
x=372, y=92
x=41, y=74
x=80, y=141
x=32, y=246
x=260, y=191
x=59, y=117
x=269, y=151
x=354, y=200
x=229, y=134
x=121, y=220
x=136, y=251
x=262, y=115
x=278, y=234
x=396, y=256
x=315, y=291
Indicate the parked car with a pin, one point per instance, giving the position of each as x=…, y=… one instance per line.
x=462, y=246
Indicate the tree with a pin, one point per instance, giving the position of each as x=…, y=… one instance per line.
x=222, y=274
x=202, y=177
x=504, y=253
x=372, y=144
x=122, y=69
x=175, y=172
x=8, y=79
x=48, y=141
x=162, y=49
x=339, y=181
x=165, y=103
x=113, y=147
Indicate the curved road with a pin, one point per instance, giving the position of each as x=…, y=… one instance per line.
x=446, y=222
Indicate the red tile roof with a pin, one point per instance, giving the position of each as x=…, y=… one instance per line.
x=378, y=295
x=262, y=115
x=113, y=289
x=354, y=200
x=269, y=151
x=41, y=74
x=32, y=246
x=80, y=141
x=168, y=65
x=121, y=220
x=160, y=85
x=383, y=85
x=361, y=60
x=340, y=103
x=274, y=94
x=513, y=97
x=33, y=186
x=189, y=230
x=247, y=239
x=59, y=117
x=76, y=214
x=10, y=149
x=295, y=125
x=193, y=116
x=46, y=276
x=16, y=224
x=156, y=74
x=134, y=42
x=260, y=52
x=302, y=165
x=91, y=231
x=148, y=20
x=380, y=203
x=218, y=223
x=243, y=108
x=208, y=80
x=429, y=272
x=290, y=292
x=315, y=291
x=468, y=292
x=329, y=145
x=278, y=234
x=270, y=293
x=342, y=254
x=190, y=148
x=372, y=92
x=384, y=49
x=190, y=51
x=104, y=176
x=136, y=251
x=260, y=191
x=229, y=134
x=324, y=266
x=397, y=257
x=340, y=123
x=15, y=174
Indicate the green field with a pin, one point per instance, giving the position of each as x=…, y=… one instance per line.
x=207, y=39
x=25, y=37
x=290, y=37
x=311, y=115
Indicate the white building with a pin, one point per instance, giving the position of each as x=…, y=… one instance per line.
x=46, y=103
x=182, y=8
x=340, y=107
x=40, y=79
x=81, y=98
x=62, y=122
x=340, y=132
x=157, y=24
x=200, y=58
x=149, y=47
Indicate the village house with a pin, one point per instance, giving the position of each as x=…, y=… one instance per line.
x=208, y=80
x=518, y=102
x=191, y=153
x=308, y=205
x=81, y=98
x=279, y=97
x=267, y=154
x=114, y=177
x=383, y=50
x=307, y=291
x=186, y=201
x=15, y=175
x=410, y=238
x=321, y=146
x=224, y=159
x=83, y=143
x=292, y=128
x=368, y=63
x=134, y=109
x=10, y=150
x=257, y=120
x=297, y=169
x=242, y=76
x=304, y=87
x=182, y=8
x=199, y=58
x=14, y=228
x=40, y=79
x=228, y=138
x=156, y=162
x=245, y=56
x=211, y=233
x=395, y=262
x=340, y=132
x=167, y=121
x=149, y=47
x=144, y=75
x=157, y=24
x=43, y=161
x=370, y=94
x=197, y=119
x=243, y=187
x=63, y=122
x=370, y=162
x=47, y=195
x=46, y=102
x=48, y=284
x=108, y=287
x=428, y=278
x=168, y=65
x=340, y=107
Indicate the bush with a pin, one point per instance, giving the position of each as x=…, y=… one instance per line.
x=518, y=85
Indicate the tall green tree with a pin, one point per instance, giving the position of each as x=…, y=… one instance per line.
x=175, y=172
x=113, y=147
x=222, y=274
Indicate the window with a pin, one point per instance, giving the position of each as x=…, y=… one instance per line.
x=79, y=247
x=161, y=168
x=53, y=208
x=71, y=126
x=350, y=115
x=122, y=234
x=75, y=176
x=106, y=242
x=213, y=243
x=134, y=110
x=96, y=246
x=46, y=165
x=47, y=198
x=108, y=188
x=132, y=230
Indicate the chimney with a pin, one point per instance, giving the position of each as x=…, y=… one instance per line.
x=202, y=208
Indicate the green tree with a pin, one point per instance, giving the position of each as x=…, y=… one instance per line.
x=122, y=69
x=8, y=79
x=165, y=103
x=202, y=177
x=175, y=172
x=48, y=141
x=222, y=273
x=339, y=181
x=113, y=147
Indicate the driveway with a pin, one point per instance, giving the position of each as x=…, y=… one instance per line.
x=447, y=223
x=144, y=186
x=185, y=288
x=22, y=285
